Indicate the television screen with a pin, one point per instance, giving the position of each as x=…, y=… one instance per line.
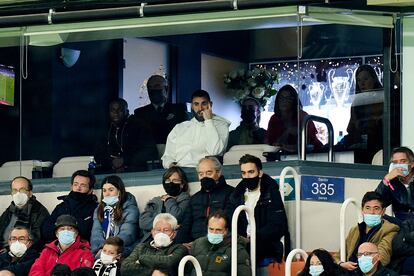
x=7, y=78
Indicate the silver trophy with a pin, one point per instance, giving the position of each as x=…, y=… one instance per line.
x=316, y=91
x=340, y=85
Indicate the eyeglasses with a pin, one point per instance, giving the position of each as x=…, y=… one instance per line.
x=20, y=239
x=359, y=255
x=174, y=181
x=21, y=190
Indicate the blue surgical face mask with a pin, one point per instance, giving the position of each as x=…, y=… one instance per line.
x=372, y=220
x=365, y=263
x=315, y=270
x=404, y=167
x=66, y=237
x=110, y=200
x=214, y=238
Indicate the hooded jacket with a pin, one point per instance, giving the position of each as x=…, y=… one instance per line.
x=80, y=206
x=127, y=229
x=270, y=215
x=202, y=204
x=192, y=140
x=175, y=206
x=30, y=216
x=77, y=255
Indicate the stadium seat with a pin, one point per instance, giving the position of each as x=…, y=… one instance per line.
x=68, y=165
x=233, y=155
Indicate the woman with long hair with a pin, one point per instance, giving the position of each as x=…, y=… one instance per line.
x=321, y=262
x=116, y=215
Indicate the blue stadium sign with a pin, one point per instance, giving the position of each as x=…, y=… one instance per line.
x=319, y=188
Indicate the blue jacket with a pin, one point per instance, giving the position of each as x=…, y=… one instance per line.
x=80, y=206
x=127, y=230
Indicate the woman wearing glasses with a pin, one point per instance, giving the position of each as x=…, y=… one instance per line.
x=175, y=201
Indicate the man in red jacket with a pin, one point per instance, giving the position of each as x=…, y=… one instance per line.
x=68, y=249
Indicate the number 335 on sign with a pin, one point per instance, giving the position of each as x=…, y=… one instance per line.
x=319, y=188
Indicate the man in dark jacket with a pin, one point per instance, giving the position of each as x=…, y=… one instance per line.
x=21, y=255
x=213, y=251
x=128, y=143
x=261, y=193
x=160, y=116
x=24, y=211
x=397, y=188
x=402, y=259
x=79, y=203
x=213, y=196
x=161, y=255
x=369, y=261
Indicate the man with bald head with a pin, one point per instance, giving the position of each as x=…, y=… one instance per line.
x=24, y=210
x=369, y=261
x=160, y=115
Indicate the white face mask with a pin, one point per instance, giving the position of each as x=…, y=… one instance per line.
x=106, y=259
x=404, y=167
x=18, y=249
x=162, y=240
x=20, y=199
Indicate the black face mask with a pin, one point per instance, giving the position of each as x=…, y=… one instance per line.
x=172, y=189
x=156, y=96
x=207, y=184
x=79, y=196
x=251, y=183
x=248, y=115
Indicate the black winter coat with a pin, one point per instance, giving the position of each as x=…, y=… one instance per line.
x=202, y=204
x=270, y=216
x=20, y=266
x=402, y=244
x=80, y=206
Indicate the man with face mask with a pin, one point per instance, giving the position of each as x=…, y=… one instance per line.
x=260, y=192
x=160, y=115
x=161, y=255
x=213, y=196
x=24, y=210
x=369, y=261
x=373, y=229
x=397, y=187
x=213, y=251
x=128, y=143
x=204, y=135
x=79, y=203
x=68, y=249
x=20, y=255
x=248, y=132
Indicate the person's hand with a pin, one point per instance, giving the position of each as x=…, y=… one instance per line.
x=349, y=265
x=393, y=174
x=158, y=273
x=207, y=113
x=117, y=163
x=188, y=245
x=165, y=197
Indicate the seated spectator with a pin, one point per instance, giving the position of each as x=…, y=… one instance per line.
x=320, y=262
x=260, y=192
x=174, y=202
x=204, y=135
x=283, y=127
x=83, y=271
x=117, y=215
x=24, y=210
x=248, y=132
x=108, y=262
x=21, y=255
x=161, y=255
x=68, y=249
x=61, y=270
x=402, y=260
x=397, y=186
x=213, y=196
x=127, y=145
x=213, y=251
x=160, y=116
x=79, y=203
x=369, y=261
x=373, y=229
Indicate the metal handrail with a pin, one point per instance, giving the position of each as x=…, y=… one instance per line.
x=342, y=235
x=304, y=135
x=297, y=199
x=289, y=258
x=194, y=261
x=234, y=236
